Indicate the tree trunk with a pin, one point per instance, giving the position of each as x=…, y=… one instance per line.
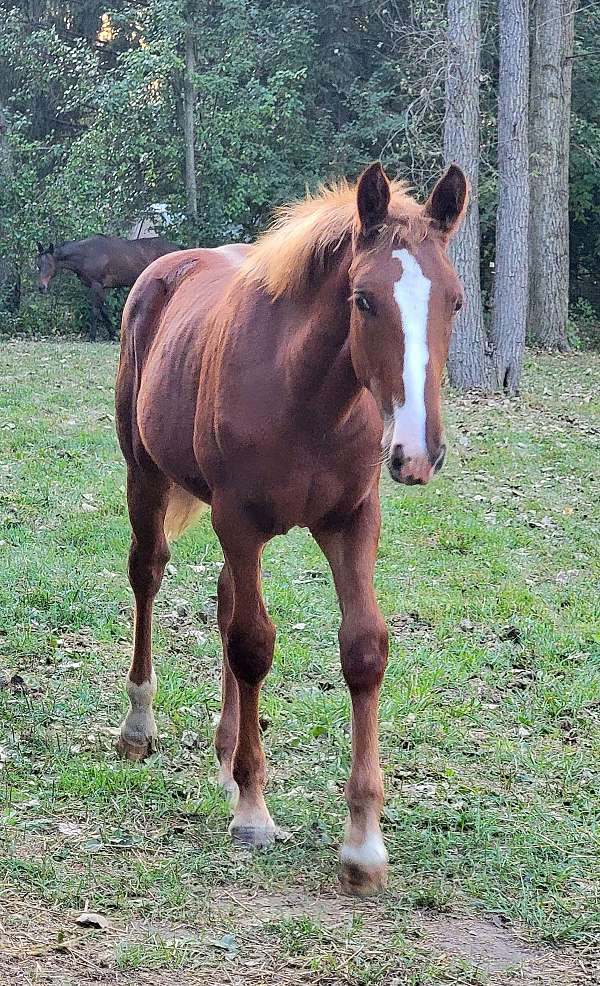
x=6, y=161
x=189, y=114
x=10, y=278
x=549, y=122
x=468, y=362
x=510, y=297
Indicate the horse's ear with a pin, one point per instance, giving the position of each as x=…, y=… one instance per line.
x=448, y=202
x=373, y=197
x=51, y=248
x=40, y=247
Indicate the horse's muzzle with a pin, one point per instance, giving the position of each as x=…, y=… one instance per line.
x=414, y=470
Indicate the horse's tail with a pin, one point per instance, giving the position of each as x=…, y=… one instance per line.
x=183, y=510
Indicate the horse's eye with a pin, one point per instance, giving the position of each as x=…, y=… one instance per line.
x=363, y=304
x=458, y=304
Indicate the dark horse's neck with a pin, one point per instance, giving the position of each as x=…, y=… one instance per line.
x=64, y=255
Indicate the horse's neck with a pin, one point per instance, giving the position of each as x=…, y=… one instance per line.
x=320, y=359
x=63, y=256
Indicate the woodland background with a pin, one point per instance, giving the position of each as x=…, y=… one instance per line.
x=95, y=123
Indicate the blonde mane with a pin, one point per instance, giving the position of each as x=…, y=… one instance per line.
x=295, y=250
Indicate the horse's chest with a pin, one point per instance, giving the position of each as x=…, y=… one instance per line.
x=298, y=489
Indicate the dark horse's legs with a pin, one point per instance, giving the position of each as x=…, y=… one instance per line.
x=147, y=499
x=100, y=311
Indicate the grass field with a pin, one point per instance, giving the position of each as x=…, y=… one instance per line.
x=489, y=579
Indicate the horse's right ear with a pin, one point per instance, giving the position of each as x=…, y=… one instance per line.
x=51, y=248
x=372, y=197
x=40, y=247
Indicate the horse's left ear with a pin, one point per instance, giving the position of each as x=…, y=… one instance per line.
x=372, y=197
x=51, y=248
x=448, y=202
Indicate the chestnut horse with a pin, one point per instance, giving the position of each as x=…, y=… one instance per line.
x=261, y=380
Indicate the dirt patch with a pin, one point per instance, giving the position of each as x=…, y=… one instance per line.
x=232, y=941
x=501, y=954
x=330, y=910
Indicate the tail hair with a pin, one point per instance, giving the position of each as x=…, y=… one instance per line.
x=183, y=510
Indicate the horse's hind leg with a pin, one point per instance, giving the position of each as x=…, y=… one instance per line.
x=227, y=730
x=147, y=499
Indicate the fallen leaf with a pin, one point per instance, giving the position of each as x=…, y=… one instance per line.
x=91, y=919
x=70, y=829
x=190, y=739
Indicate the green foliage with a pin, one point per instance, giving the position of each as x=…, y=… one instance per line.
x=288, y=95
x=584, y=325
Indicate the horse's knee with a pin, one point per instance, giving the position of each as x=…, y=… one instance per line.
x=147, y=565
x=364, y=653
x=250, y=650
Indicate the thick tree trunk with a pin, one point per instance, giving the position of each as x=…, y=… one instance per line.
x=189, y=115
x=549, y=121
x=510, y=299
x=468, y=362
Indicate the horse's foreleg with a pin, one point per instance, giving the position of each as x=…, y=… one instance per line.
x=99, y=310
x=147, y=498
x=250, y=641
x=350, y=550
x=227, y=730
x=93, y=327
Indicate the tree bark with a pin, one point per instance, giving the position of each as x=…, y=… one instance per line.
x=189, y=122
x=468, y=362
x=6, y=161
x=549, y=122
x=510, y=296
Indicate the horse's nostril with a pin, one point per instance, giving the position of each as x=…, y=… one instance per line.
x=397, y=458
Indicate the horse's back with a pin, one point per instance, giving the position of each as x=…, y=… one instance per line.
x=157, y=284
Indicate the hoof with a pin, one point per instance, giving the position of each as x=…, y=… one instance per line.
x=356, y=881
x=135, y=749
x=257, y=836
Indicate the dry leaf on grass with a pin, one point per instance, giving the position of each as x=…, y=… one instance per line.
x=91, y=919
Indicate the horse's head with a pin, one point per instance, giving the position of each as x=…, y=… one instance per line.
x=405, y=294
x=46, y=265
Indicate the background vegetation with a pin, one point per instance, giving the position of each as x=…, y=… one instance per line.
x=288, y=94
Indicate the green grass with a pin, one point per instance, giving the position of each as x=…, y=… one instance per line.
x=490, y=710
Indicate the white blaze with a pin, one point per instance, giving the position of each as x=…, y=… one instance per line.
x=411, y=293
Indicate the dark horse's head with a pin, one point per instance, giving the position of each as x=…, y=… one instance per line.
x=405, y=294
x=46, y=265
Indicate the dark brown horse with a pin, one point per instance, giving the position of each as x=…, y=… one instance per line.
x=101, y=262
x=260, y=380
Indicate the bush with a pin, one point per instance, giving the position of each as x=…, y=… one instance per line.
x=584, y=325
